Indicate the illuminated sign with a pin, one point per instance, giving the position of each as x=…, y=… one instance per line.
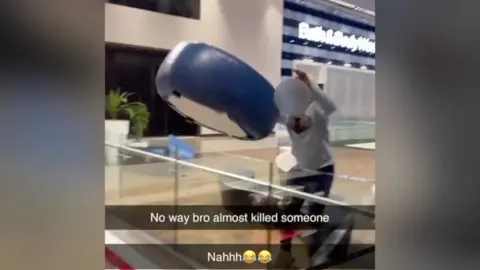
x=335, y=38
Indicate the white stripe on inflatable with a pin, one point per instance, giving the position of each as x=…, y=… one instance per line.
x=207, y=116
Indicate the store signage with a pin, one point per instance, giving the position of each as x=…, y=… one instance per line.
x=335, y=38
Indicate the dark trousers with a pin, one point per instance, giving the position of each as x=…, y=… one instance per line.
x=321, y=182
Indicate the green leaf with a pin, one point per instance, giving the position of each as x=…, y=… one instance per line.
x=117, y=103
x=114, y=102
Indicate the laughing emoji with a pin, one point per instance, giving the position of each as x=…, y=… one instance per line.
x=264, y=256
x=249, y=256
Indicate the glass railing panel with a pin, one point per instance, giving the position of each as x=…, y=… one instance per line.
x=227, y=161
x=209, y=189
x=137, y=178
x=112, y=176
x=208, y=192
x=150, y=179
x=357, y=192
x=352, y=192
x=341, y=131
x=147, y=179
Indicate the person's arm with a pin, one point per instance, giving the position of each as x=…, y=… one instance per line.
x=325, y=102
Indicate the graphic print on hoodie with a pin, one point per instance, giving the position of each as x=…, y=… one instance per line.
x=299, y=124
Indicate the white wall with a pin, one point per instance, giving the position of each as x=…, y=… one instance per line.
x=249, y=29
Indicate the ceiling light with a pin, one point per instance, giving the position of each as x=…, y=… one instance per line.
x=351, y=6
x=342, y=3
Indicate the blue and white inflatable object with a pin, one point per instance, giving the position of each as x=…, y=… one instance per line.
x=217, y=90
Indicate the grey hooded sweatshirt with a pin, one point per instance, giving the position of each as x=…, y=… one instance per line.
x=310, y=143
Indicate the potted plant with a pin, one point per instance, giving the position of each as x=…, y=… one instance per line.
x=139, y=117
x=117, y=125
x=120, y=113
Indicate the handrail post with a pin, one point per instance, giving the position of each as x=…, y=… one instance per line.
x=175, y=196
x=270, y=193
x=120, y=158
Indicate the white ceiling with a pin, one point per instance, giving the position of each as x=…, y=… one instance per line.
x=366, y=4
x=361, y=6
x=348, y=8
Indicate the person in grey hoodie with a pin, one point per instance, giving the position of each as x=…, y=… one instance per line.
x=305, y=109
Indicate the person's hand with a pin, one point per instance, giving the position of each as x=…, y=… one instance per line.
x=301, y=75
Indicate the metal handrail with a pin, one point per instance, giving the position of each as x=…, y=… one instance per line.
x=341, y=176
x=300, y=194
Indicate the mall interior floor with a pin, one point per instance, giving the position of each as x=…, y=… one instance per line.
x=153, y=183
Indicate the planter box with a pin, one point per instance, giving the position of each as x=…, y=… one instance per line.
x=138, y=144
x=116, y=132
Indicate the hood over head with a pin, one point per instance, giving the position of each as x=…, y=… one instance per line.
x=292, y=97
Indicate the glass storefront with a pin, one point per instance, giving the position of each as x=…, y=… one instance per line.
x=310, y=32
x=344, y=46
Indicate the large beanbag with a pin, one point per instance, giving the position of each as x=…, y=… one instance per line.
x=217, y=90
